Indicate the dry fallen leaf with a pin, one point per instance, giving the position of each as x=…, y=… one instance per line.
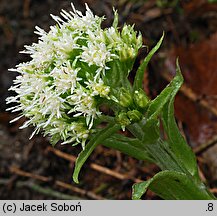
x=198, y=63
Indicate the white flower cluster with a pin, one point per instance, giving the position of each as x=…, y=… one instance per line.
x=58, y=89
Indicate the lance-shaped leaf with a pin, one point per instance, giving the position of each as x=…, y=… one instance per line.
x=156, y=106
x=176, y=141
x=140, y=72
x=172, y=185
x=115, y=22
x=92, y=144
x=130, y=146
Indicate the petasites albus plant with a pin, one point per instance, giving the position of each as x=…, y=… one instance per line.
x=75, y=89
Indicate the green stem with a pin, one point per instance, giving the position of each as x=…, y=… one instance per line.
x=158, y=149
x=163, y=157
x=167, y=160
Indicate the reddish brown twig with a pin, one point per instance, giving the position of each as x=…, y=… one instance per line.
x=213, y=190
x=94, y=166
x=61, y=154
x=20, y=172
x=200, y=149
x=47, y=191
x=83, y=192
x=79, y=190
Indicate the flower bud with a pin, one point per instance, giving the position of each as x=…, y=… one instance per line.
x=123, y=120
x=141, y=98
x=125, y=98
x=134, y=115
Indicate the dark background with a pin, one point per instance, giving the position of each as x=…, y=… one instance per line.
x=31, y=169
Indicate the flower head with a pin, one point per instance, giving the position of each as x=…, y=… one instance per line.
x=58, y=90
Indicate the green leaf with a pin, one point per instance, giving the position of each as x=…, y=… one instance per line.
x=130, y=146
x=117, y=75
x=140, y=189
x=92, y=144
x=172, y=185
x=115, y=21
x=149, y=130
x=156, y=105
x=176, y=141
x=140, y=72
x=146, y=133
x=163, y=156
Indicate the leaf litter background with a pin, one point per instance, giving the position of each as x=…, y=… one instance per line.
x=32, y=169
